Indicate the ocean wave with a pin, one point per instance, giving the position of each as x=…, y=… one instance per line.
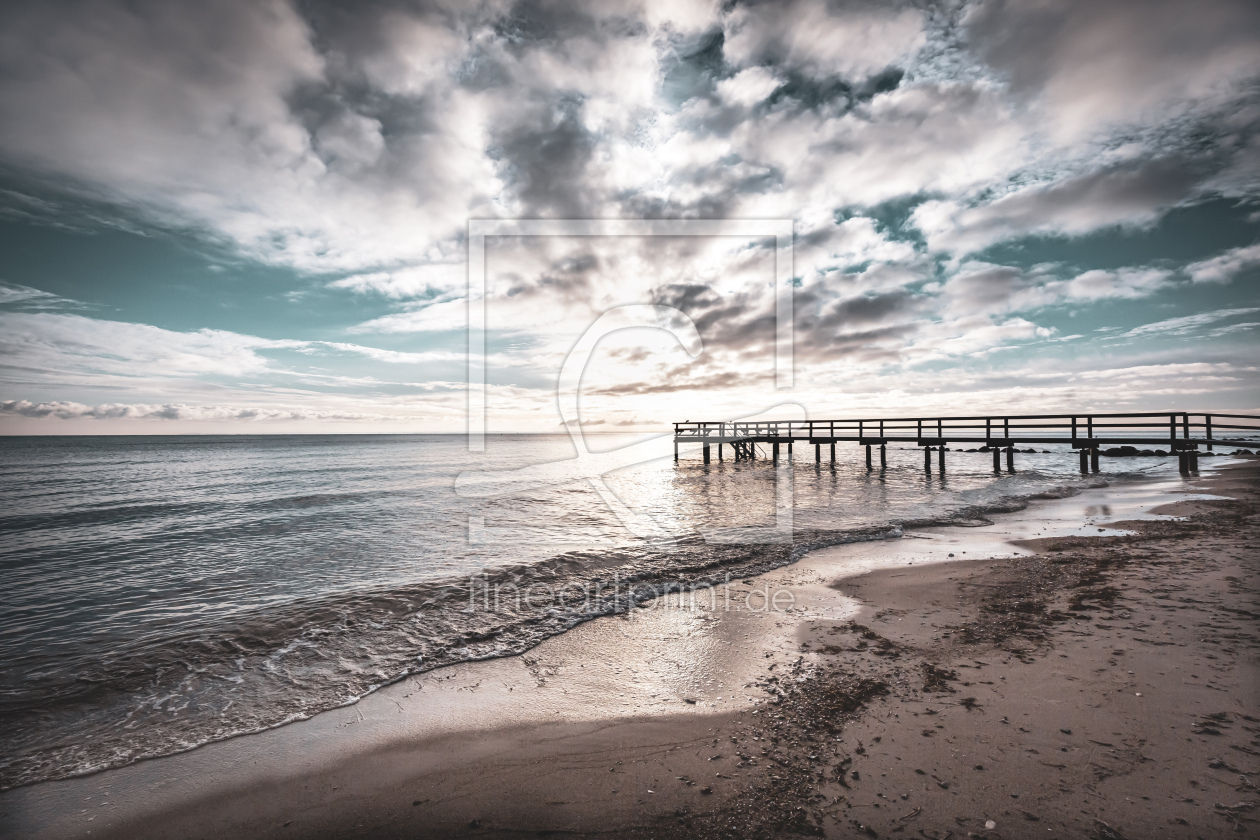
x=225, y=676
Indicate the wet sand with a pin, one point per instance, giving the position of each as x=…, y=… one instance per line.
x=1097, y=661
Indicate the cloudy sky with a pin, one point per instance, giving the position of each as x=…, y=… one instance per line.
x=253, y=216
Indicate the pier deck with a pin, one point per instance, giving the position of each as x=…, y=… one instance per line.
x=1182, y=433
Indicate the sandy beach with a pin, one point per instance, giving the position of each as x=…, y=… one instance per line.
x=1086, y=667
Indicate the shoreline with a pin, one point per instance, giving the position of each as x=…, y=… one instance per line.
x=284, y=679
x=344, y=772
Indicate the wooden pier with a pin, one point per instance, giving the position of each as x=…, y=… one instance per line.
x=1181, y=433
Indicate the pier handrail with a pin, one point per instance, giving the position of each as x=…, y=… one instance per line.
x=1176, y=429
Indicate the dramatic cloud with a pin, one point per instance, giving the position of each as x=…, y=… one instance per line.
x=1125, y=195
x=1096, y=64
x=968, y=182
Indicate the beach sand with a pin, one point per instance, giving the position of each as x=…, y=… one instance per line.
x=1086, y=668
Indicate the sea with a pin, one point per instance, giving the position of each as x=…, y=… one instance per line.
x=162, y=592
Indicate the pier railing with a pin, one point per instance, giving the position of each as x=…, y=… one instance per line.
x=1180, y=431
x=1175, y=430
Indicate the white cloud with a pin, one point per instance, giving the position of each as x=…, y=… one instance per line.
x=76, y=346
x=42, y=350
x=1230, y=329
x=413, y=282
x=1189, y=323
x=188, y=110
x=1122, y=283
x=25, y=297
x=1221, y=269
x=63, y=410
x=748, y=87
x=942, y=137
x=397, y=357
x=437, y=317
x=812, y=37
x=986, y=288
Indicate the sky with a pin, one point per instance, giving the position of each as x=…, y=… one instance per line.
x=253, y=217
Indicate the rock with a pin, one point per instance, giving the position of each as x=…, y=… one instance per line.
x=1120, y=452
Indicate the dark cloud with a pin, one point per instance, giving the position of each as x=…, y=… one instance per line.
x=684, y=379
x=739, y=329
x=1120, y=193
x=1129, y=194
x=741, y=324
x=1143, y=43
x=1093, y=62
x=862, y=311
x=880, y=345
x=569, y=278
x=688, y=297
x=545, y=162
x=988, y=285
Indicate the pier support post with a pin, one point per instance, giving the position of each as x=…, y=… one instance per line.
x=868, y=457
x=1084, y=461
x=883, y=456
x=675, y=450
x=1010, y=459
x=1183, y=462
x=940, y=458
x=1093, y=458
x=719, y=452
x=833, y=453
x=927, y=460
x=817, y=453
x=789, y=449
x=706, y=452
x=776, y=451
x=997, y=460
x=1194, y=460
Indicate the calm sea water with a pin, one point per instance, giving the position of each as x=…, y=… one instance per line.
x=162, y=592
